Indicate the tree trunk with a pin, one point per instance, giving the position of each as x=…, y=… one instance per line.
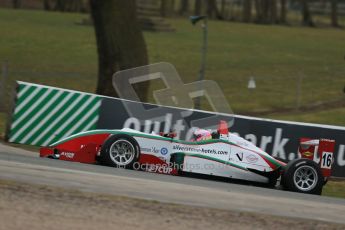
x=120, y=42
x=262, y=11
x=60, y=5
x=46, y=5
x=258, y=10
x=167, y=8
x=209, y=8
x=273, y=11
x=172, y=7
x=212, y=10
x=265, y=10
x=163, y=8
x=197, y=7
x=184, y=7
x=306, y=16
x=247, y=10
x=283, y=11
x=17, y=4
x=74, y=6
x=334, y=13
x=223, y=5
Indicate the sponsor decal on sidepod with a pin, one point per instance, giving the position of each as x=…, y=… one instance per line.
x=67, y=154
x=164, y=151
x=164, y=169
x=252, y=158
x=199, y=150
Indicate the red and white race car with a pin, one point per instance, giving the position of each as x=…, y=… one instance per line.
x=221, y=154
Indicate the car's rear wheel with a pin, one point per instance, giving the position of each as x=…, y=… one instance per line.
x=303, y=175
x=120, y=151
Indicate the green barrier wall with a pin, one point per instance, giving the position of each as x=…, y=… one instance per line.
x=43, y=114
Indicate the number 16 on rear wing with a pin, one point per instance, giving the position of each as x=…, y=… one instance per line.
x=320, y=151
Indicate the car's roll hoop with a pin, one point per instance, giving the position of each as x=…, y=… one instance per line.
x=223, y=130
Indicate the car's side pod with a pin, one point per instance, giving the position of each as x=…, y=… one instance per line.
x=320, y=151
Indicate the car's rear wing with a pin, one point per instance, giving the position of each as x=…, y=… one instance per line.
x=319, y=150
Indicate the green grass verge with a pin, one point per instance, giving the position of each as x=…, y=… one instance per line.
x=275, y=55
x=334, y=189
x=48, y=48
x=52, y=48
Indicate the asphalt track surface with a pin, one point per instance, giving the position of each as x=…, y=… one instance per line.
x=27, y=167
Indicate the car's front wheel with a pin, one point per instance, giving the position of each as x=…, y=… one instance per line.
x=303, y=175
x=120, y=151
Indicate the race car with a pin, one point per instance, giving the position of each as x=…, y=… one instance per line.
x=219, y=153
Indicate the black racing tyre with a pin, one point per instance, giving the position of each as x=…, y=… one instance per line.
x=120, y=151
x=304, y=176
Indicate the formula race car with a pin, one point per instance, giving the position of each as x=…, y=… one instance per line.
x=219, y=153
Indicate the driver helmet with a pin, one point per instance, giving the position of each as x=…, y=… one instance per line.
x=202, y=134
